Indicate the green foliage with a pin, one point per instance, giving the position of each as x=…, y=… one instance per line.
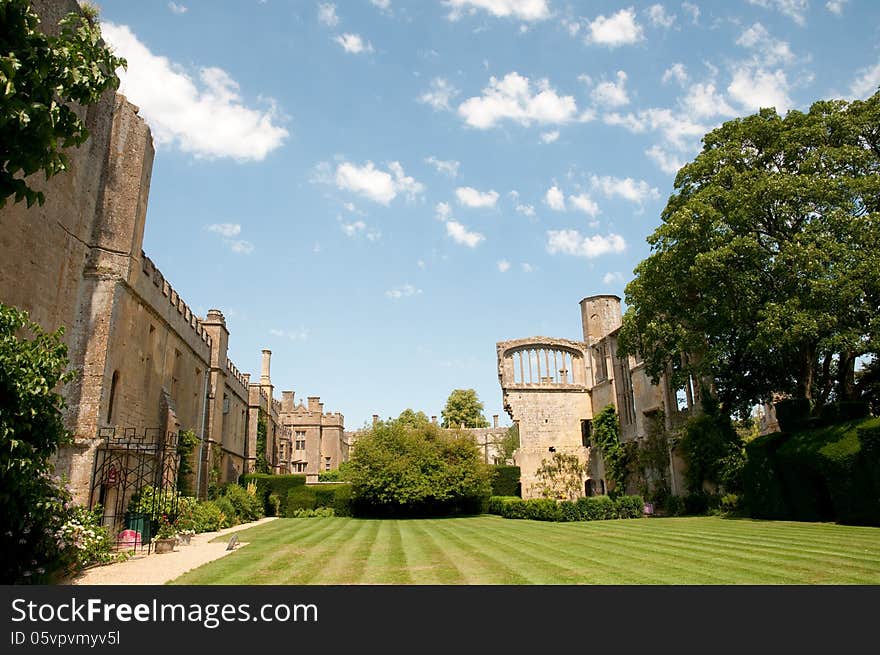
x=209, y=517
x=153, y=501
x=792, y=413
x=334, y=496
x=397, y=469
x=41, y=77
x=592, y=508
x=84, y=541
x=463, y=407
x=509, y=444
x=763, y=277
x=712, y=450
x=505, y=480
x=262, y=463
x=336, y=475
x=33, y=504
x=560, y=477
x=227, y=511
x=274, y=504
x=342, y=500
x=267, y=484
x=320, y=512
x=299, y=498
x=606, y=437
x=186, y=445
x=823, y=474
x=413, y=419
x=247, y=507
x=186, y=514
x=166, y=529
x=673, y=506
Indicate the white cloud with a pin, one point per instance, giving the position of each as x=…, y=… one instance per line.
x=177, y=9
x=384, y=5
x=866, y=83
x=549, y=137
x=704, y=101
x=503, y=265
x=572, y=242
x=525, y=210
x=527, y=268
x=636, y=191
x=659, y=17
x=352, y=229
x=227, y=230
x=443, y=211
x=404, y=291
x=421, y=264
x=794, y=9
x=676, y=72
x=353, y=43
x=206, y=118
x=447, y=167
x=770, y=51
x=754, y=88
x=611, y=94
x=375, y=184
x=616, y=30
x=460, y=234
x=440, y=94
x=583, y=202
x=693, y=10
x=470, y=197
x=240, y=246
x=511, y=98
x=294, y=335
x=668, y=162
x=555, y=199
x=528, y=10
x=836, y=6
x=677, y=129
x=612, y=278
x=327, y=14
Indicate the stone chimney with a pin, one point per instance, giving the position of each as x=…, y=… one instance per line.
x=315, y=404
x=264, y=372
x=287, y=401
x=247, y=378
x=375, y=419
x=434, y=420
x=494, y=420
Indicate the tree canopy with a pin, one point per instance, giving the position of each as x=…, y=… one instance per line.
x=463, y=407
x=404, y=468
x=763, y=275
x=41, y=76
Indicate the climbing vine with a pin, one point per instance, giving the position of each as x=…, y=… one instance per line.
x=262, y=464
x=606, y=437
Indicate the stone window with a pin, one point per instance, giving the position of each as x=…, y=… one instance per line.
x=300, y=440
x=299, y=467
x=113, y=384
x=327, y=464
x=601, y=364
x=586, y=430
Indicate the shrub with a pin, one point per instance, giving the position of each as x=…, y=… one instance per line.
x=629, y=507
x=342, y=500
x=505, y=480
x=542, y=509
x=730, y=504
x=792, y=413
x=208, y=517
x=697, y=502
x=596, y=508
x=568, y=511
x=248, y=507
x=674, y=505
x=83, y=540
x=275, y=504
x=227, y=510
x=299, y=498
x=711, y=448
x=321, y=512
x=268, y=484
x=324, y=496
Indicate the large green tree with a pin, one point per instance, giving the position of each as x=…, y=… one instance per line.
x=42, y=78
x=763, y=276
x=403, y=468
x=463, y=407
x=32, y=502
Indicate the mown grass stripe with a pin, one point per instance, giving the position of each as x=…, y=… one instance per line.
x=349, y=559
x=477, y=566
x=438, y=567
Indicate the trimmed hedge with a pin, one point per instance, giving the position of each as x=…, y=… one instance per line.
x=505, y=480
x=268, y=484
x=824, y=474
x=593, y=508
x=308, y=497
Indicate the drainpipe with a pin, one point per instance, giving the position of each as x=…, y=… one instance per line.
x=202, y=438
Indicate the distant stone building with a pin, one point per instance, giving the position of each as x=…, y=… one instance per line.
x=144, y=361
x=552, y=388
x=317, y=438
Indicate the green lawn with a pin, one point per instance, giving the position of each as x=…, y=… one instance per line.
x=491, y=550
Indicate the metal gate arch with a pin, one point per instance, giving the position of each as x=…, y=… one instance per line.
x=127, y=462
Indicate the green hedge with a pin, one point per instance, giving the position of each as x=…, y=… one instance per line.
x=334, y=496
x=823, y=474
x=268, y=483
x=505, y=480
x=593, y=508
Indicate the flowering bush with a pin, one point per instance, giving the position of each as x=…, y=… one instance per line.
x=166, y=529
x=82, y=539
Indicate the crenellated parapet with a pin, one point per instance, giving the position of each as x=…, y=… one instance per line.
x=236, y=380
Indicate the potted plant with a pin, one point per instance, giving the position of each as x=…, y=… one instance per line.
x=185, y=522
x=166, y=536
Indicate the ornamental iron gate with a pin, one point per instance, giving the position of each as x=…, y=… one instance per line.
x=134, y=480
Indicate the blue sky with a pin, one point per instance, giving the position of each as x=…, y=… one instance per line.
x=380, y=190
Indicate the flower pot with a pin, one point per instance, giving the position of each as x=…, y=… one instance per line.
x=184, y=539
x=164, y=545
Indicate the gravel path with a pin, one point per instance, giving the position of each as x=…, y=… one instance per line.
x=159, y=569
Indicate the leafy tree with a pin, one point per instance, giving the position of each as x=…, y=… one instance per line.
x=413, y=419
x=561, y=477
x=404, y=469
x=763, y=275
x=32, y=503
x=186, y=445
x=41, y=76
x=262, y=463
x=713, y=450
x=463, y=407
x=509, y=444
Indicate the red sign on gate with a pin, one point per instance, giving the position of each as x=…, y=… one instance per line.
x=112, y=476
